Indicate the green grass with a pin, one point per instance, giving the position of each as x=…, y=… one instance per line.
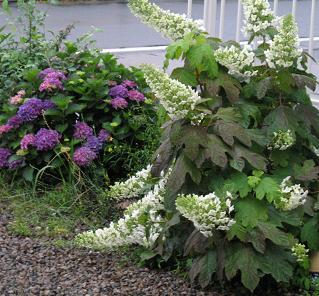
x=55, y=212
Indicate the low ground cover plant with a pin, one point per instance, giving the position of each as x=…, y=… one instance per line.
x=73, y=110
x=234, y=184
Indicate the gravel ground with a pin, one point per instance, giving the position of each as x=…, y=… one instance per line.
x=34, y=267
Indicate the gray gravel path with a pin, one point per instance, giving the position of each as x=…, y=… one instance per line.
x=34, y=267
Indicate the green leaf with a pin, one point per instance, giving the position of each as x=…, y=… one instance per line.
x=257, y=161
x=204, y=268
x=61, y=101
x=277, y=236
x=245, y=260
x=31, y=75
x=201, y=57
x=306, y=172
x=74, y=108
x=28, y=174
x=303, y=80
x=249, y=212
x=185, y=76
x=282, y=118
x=268, y=188
x=277, y=262
x=310, y=233
x=182, y=167
x=229, y=130
x=238, y=182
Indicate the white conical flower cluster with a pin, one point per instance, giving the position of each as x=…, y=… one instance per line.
x=292, y=196
x=258, y=17
x=284, y=50
x=132, y=187
x=171, y=25
x=178, y=99
x=207, y=212
x=237, y=60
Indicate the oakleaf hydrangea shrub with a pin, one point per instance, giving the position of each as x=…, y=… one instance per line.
x=240, y=197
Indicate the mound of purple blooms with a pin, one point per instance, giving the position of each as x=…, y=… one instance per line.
x=27, y=112
x=52, y=80
x=123, y=93
x=84, y=155
x=43, y=140
x=46, y=139
x=82, y=131
x=32, y=108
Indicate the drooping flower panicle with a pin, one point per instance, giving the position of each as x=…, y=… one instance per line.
x=142, y=224
x=132, y=187
x=207, y=212
x=178, y=99
x=27, y=142
x=284, y=50
x=82, y=131
x=170, y=25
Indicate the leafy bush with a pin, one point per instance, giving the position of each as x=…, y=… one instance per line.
x=70, y=106
x=237, y=172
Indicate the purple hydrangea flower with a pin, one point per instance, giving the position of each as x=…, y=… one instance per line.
x=118, y=91
x=82, y=131
x=27, y=141
x=129, y=84
x=15, y=164
x=94, y=143
x=52, y=80
x=15, y=121
x=5, y=129
x=136, y=96
x=52, y=73
x=84, y=156
x=46, y=139
x=5, y=154
x=50, y=84
x=104, y=135
x=119, y=103
x=31, y=109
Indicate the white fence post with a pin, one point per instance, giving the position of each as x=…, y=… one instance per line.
x=189, y=8
x=294, y=8
x=312, y=26
x=238, y=23
x=210, y=16
x=222, y=18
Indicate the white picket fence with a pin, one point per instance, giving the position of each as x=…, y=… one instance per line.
x=210, y=16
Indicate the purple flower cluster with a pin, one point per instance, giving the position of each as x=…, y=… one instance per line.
x=46, y=139
x=82, y=131
x=129, y=84
x=119, y=103
x=27, y=141
x=18, y=98
x=135, y=95
x=32, y=108
x=52, y=80
x=5, y=154
x=15, y=121
x=5, y=129
x=123, y=92
x=84, y=155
